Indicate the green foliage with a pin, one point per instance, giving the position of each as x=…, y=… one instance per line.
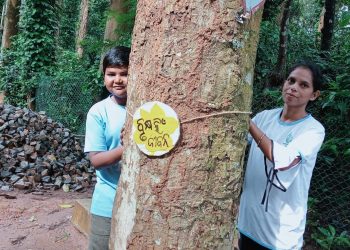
x=69, y=67
x=336, y=101
x=43, y=56
x=32, y=50
x=270, y=7
x=266, y=54
x=70, y=90
x=302, y=40
x=36, y=41
x=74, y=81
x=327, y=238
x=93, y=43
x=97, y=18
x=312, y=211
x=68, y=13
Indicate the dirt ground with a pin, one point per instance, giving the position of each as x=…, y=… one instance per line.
x=34, y=221
x=39, y=221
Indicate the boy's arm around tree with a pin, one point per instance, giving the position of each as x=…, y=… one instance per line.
x=106, y=158
x=100, y=155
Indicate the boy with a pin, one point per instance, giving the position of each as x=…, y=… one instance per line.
x=104, y=123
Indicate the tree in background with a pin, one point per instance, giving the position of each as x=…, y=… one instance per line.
x=10, y=22
x=199, y=60
x=328, y=26
x=120, y=22
x=277, y=75
x=68, y=13
x=82, y=26
x=117, y=6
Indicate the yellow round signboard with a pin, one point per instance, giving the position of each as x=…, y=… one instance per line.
x=156, y=128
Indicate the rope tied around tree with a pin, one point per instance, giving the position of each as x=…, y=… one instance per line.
x=207, y=116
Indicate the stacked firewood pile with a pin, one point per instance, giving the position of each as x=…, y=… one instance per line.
x=37, y=152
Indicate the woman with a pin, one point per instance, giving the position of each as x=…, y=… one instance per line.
x=282, y=156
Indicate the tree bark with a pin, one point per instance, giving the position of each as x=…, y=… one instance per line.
x=277, y=76
x=83, y=22
x=193, y=56
x=10, y=22
x=328, y=25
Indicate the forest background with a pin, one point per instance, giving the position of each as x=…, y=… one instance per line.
x=51, y=56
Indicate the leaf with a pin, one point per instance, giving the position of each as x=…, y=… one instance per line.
x=31, y=219
x=66, y=205
x=347, y=152
x=343, y=239
x=345, y=20
x=324, y=231
x=322, y=243
x=332, y=230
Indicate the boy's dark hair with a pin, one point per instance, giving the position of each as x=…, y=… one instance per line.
x=116, y=57
x=317, y=77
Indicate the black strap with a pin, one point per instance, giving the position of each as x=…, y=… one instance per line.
x=271, y=176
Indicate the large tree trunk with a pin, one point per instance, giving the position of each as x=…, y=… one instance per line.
x=282, y=50
x=328, y=25
x=83, y=22
x=195, y=57
x=10, y=22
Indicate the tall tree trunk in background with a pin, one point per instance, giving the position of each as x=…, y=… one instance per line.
x=195, y=57
x=116, y=6
x=328, y=26
x=60, y=6
x=83, y=22
x=277, y=76
x=11, y=17
x=112, y=25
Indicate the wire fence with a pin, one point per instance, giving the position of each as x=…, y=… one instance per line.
x=67, y=103
x=330, y=186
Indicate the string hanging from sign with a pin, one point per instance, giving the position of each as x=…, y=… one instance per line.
x=210, y=115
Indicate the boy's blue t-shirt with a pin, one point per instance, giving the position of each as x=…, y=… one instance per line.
x=104, y=123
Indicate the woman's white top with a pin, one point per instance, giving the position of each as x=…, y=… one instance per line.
x=273, y=204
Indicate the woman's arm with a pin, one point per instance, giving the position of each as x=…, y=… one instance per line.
x=263, y=142
x=106, y=158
